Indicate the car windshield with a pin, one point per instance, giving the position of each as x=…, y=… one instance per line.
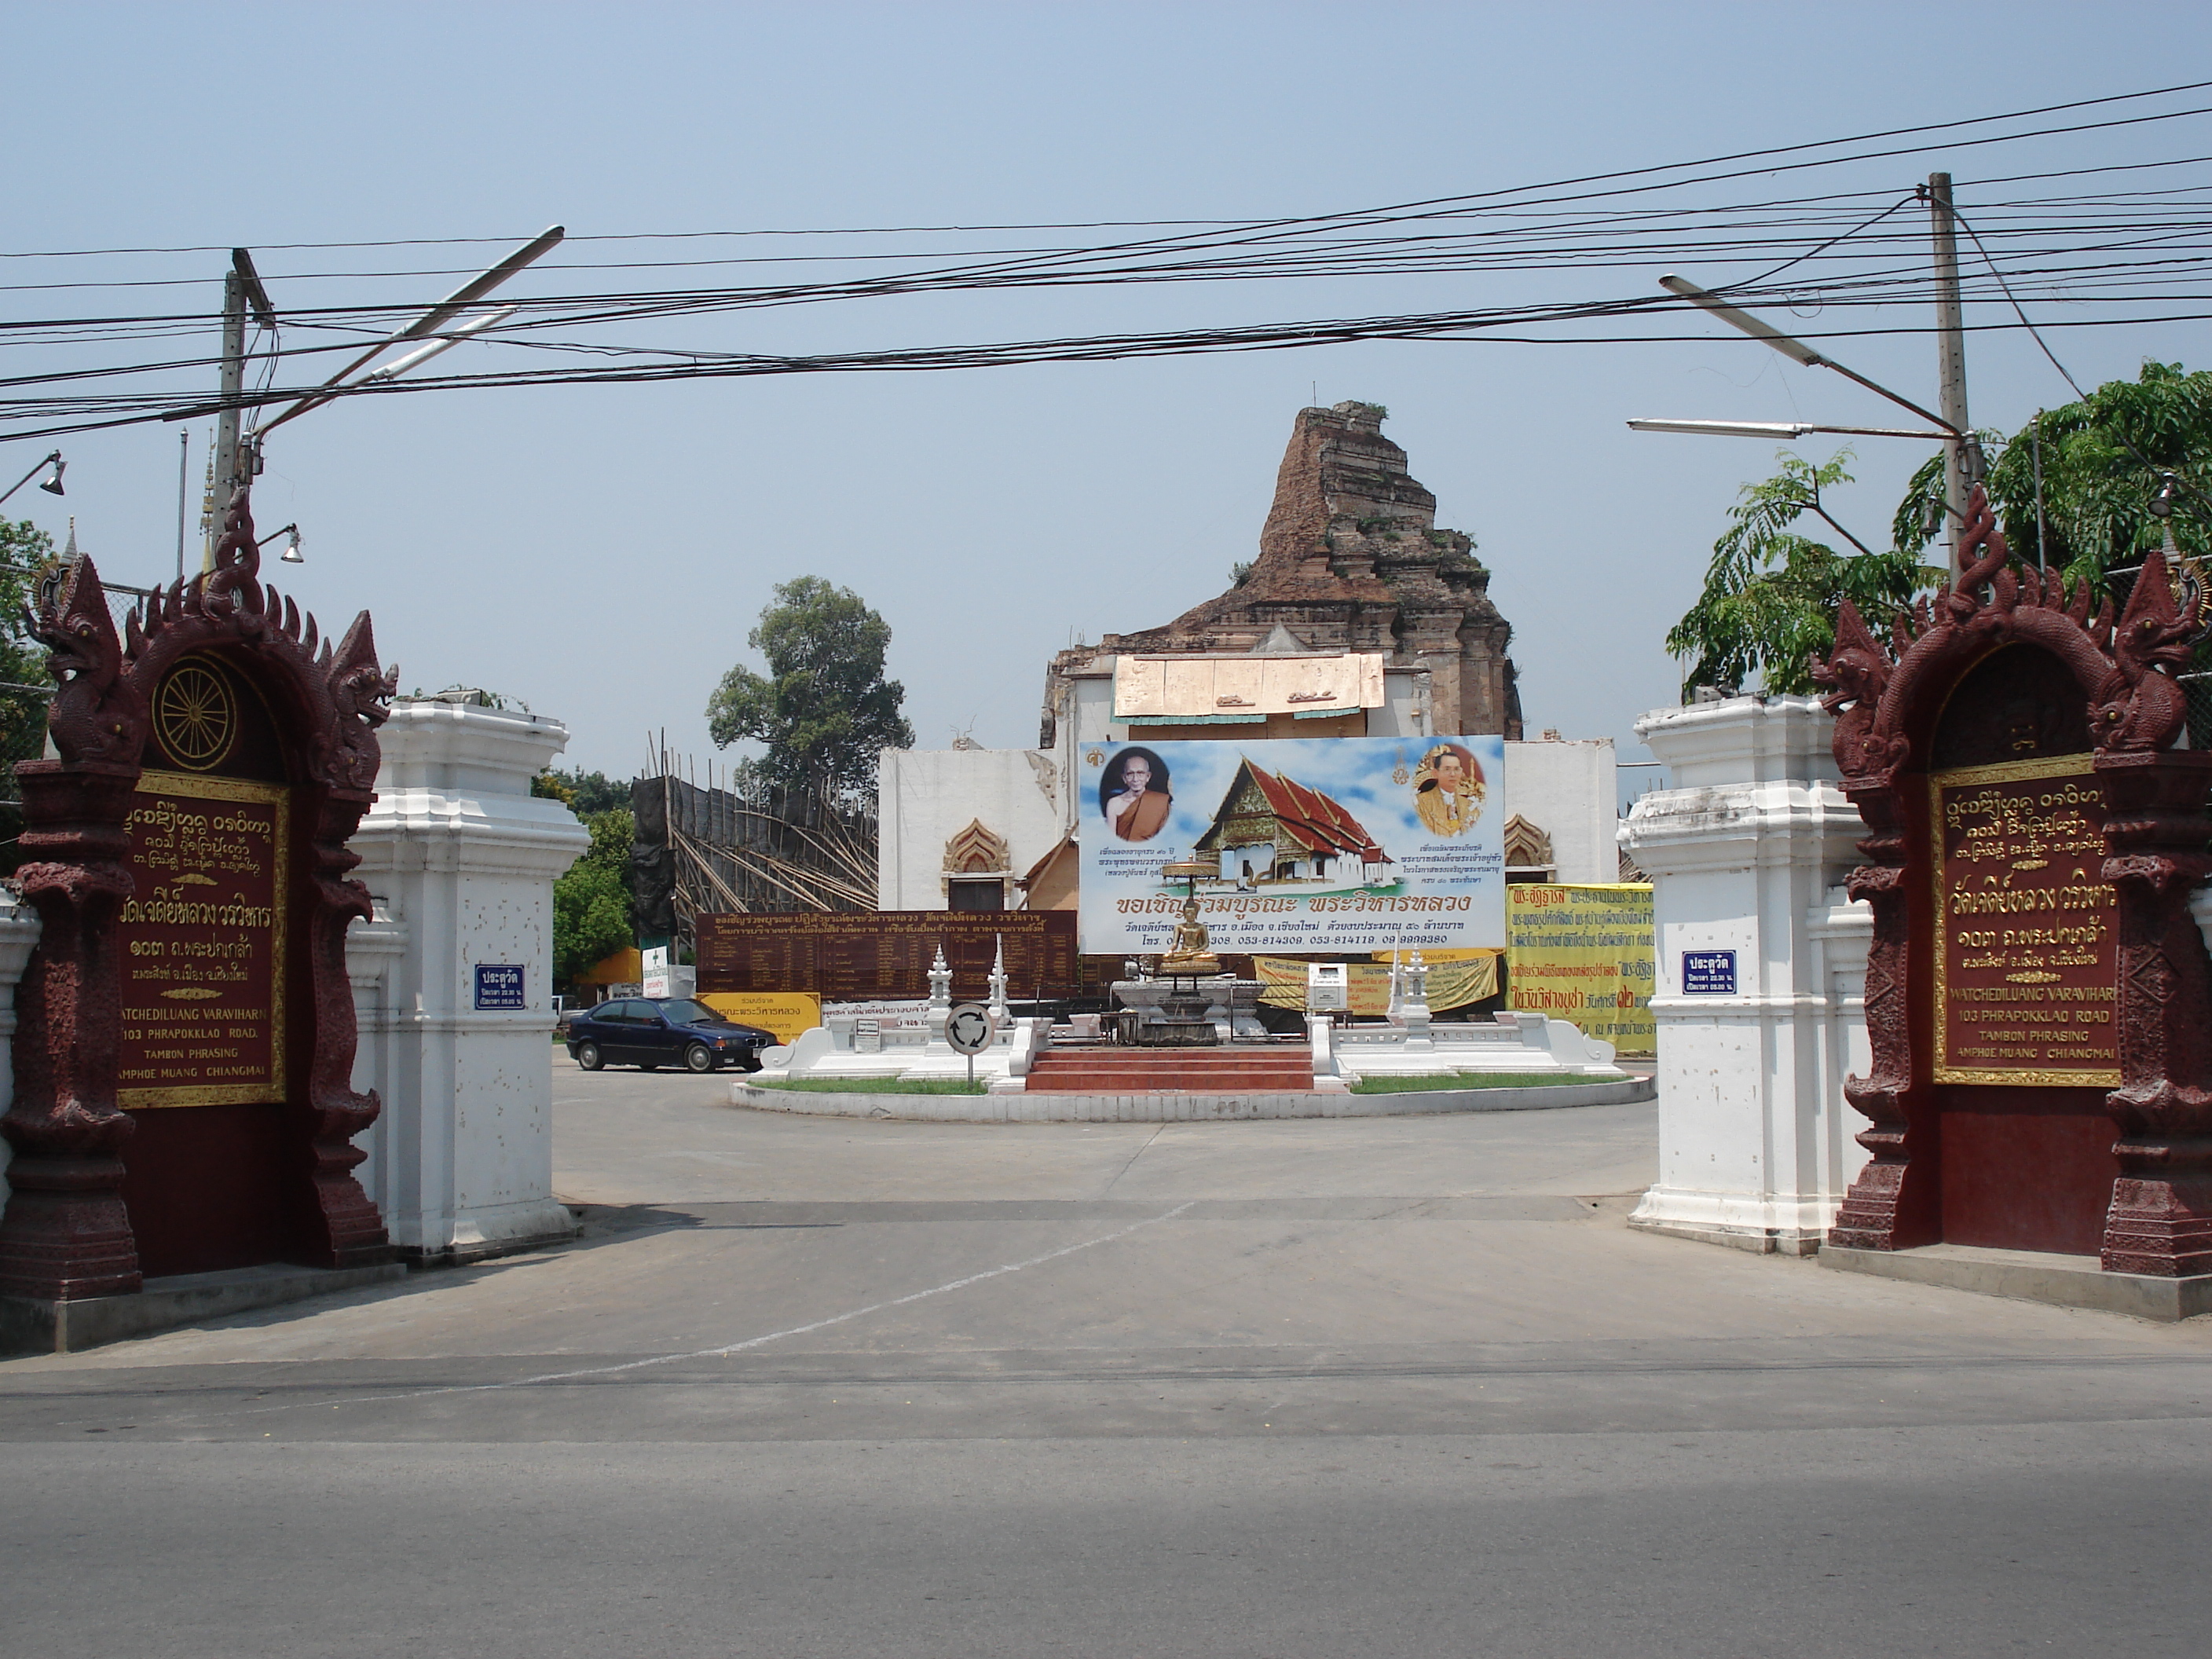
x=684, y=1012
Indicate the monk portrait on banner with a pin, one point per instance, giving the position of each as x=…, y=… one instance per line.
x=1134, y=794
x=1448, y=789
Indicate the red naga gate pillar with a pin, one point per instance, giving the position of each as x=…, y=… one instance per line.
x=2036, y=976
x=186, y=1044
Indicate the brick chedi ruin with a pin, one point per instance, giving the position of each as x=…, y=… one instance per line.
x=1351, y=561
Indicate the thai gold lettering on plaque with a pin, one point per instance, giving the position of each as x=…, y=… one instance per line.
x=2026, y=952
x=203, y=943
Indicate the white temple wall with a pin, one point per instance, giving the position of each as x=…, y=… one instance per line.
x=927, y=796
x=1567, y=789
x=19, y=934
x=1746, y=854
x=461, y=858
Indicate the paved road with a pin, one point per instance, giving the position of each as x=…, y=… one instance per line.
x=1390, y=1388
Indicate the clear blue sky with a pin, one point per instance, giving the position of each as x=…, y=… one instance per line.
x=601, y=552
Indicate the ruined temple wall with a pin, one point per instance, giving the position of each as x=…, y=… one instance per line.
x=1350, y=559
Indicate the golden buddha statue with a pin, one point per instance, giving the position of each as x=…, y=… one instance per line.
x=1190, y=955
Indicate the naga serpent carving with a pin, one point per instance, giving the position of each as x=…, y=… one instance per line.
x=2135, y=707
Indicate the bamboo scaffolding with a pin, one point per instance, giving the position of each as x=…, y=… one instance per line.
x=730, y=848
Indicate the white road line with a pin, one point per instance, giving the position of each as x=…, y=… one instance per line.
x=723, y=1352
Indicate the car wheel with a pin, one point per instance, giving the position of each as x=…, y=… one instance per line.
x=589, y=1057
x=699, y=1057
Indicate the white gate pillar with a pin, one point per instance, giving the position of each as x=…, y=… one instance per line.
x=18, y=933
x=461, y=858
x=1746, y=854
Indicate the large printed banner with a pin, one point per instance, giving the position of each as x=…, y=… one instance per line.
x=1586, y=955
x=1322, y=845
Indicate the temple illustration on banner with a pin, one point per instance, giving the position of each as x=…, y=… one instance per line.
x=1270, y=831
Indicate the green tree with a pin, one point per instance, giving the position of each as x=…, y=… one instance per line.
x=585, y=793
x=591, y=902
x=2074, y=487
x=24, y=551
x=2101, y=463
x=823, y=709
x=1771, y=592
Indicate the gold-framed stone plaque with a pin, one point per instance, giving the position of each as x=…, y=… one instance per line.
x=203, y=943
x=2026, y=946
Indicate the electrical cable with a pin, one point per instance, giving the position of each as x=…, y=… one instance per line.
x=1634, y=173
x=2036, y=334
x=2093, y=251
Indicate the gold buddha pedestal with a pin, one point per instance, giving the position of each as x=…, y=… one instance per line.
x=1189, y=957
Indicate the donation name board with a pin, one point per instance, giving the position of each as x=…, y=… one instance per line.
x=202, y=943
x=853, y=956
x=2026, y=952
x=1322, y=845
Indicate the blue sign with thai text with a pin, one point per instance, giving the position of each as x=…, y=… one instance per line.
x=499, y=985
x=1708, y=973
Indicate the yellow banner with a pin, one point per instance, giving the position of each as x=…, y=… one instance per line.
x=1441, y=953
x=1586, y=955
x=786, y=1013
x=625, y=967
x=1451, y=984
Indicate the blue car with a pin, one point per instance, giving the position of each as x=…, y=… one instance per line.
x=650, y=1033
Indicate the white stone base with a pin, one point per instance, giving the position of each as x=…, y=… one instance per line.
x=1764, y=1226
x=1512, y=1043
x=494, y=1230
x=1054, y=1107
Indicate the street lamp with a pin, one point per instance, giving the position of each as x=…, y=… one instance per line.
x=291, y=555
x=428, y=324
x=245, y=462
x=446, y=342
x=1960, y=443
x=1787, y=431
x=1795, y=351
x=51, y=483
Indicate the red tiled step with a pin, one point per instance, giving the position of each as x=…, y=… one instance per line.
x=1174, y=1071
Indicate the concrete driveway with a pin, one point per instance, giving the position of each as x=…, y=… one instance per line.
x=1374, y=1387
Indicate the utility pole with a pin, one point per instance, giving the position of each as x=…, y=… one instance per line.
x=226, y=424
x=240, y=284
x=235, y=457
x=183, y=492
x=1962, y=456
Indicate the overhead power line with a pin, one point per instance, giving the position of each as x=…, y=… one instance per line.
x=1584, y=179
x=2086, y=259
